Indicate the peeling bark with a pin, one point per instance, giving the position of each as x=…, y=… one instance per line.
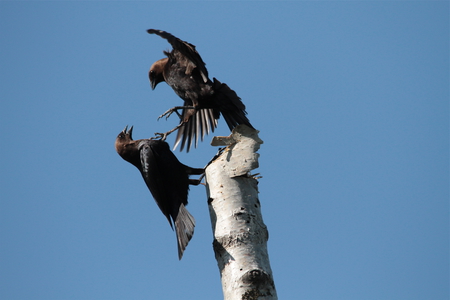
x=240, y=236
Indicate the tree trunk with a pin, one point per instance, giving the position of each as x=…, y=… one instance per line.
x=240, y=236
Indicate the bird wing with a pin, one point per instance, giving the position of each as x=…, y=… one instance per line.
x=187, y=50
x=164, y=175
x=154, y=178
x=230, y=105
x=168, y=182
x=201, y=123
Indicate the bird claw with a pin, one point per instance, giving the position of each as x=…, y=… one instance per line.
x=160, y=136
x=166, y=114
x=169, y=112
x=163, y=136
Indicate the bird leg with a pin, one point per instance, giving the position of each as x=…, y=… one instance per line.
x=196, y=181
x=163, y=136
x=175, y=110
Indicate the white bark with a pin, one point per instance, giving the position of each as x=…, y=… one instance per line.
x=240, y=236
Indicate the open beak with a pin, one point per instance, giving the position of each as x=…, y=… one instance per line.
x=129, y=132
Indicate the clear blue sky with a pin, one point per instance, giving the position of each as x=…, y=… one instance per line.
x=352, y=102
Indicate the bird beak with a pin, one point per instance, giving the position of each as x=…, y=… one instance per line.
x=130, y=131
x=153, y=84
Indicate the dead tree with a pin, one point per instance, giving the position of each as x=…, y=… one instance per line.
x=240, y=236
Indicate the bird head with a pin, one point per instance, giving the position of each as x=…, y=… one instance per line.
x=124, y=134
x=156, y=72
x=123, y=139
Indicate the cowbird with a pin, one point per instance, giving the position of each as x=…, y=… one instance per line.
x=166, y=178
x=204, y=100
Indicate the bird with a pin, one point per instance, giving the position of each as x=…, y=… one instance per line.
x=204, y=100
x=166, y=178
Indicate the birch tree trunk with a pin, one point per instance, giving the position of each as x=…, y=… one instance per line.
x=240, y=236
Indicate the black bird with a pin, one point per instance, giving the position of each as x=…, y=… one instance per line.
x=204, y=100
x=166, y=178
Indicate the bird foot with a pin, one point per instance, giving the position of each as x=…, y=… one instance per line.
x=171, y=111
x=160, y=136
x=175, y=110
x=168, y=113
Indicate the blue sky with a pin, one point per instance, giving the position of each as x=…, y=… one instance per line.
x=352, y=103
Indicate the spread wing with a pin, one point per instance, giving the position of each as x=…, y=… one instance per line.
x=187, y=50
x=230, y=105
x=201, y=123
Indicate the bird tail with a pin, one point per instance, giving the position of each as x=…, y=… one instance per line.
x=184, y=227
x=230, y=105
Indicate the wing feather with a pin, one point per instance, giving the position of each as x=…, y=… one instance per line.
x=187, y=49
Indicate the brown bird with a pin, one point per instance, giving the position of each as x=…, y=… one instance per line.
x=166, y=178
x=204, y=100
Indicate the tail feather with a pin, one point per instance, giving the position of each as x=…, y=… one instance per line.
x=200, y=124
x=230, y=105
x=203, y=121
x=184, y=228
